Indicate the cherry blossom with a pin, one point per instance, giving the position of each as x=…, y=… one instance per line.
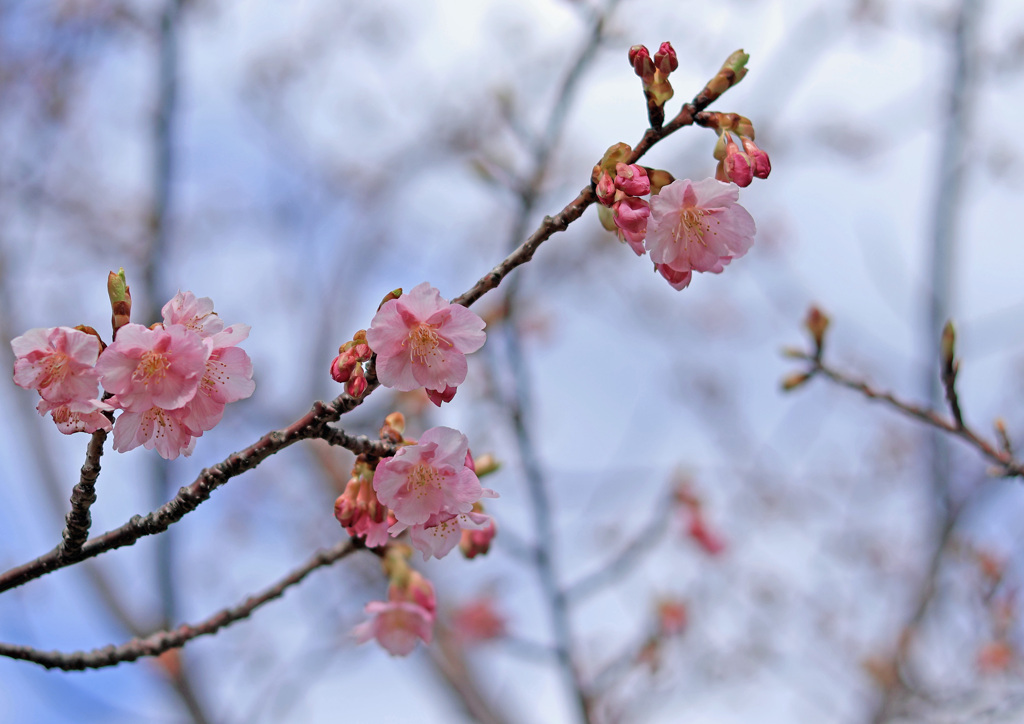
x=440, y=533
x=428, y=478
x=422, y=341
x=155, y=428
x=159, y=367
x=59, y=363
x=77, y=415
x=397, y=626
x=697, y=226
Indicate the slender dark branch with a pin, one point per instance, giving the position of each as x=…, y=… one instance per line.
x=189, y=497
x=164, y=640
x=1008, y=466
x=83, y=495
x=625, y=560
x=359, y=444
x=949, y=371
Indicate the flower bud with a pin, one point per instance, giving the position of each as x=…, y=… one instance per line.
x=356, y=385
x=665, y=59
x=659, y=179
x=947, y=346
x=605, y=188
x=791, y=382
x=120, y=300
x=632, y=179
x=393, y=294
x=817, y=323
x=759, y=159
x=342, y=366
x=643, y=66
x=736, y=165
x=485, y=465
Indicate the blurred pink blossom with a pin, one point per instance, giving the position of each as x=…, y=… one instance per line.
x=397, y=625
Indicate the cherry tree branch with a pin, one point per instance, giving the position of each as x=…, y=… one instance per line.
x=162, y=641
x=626, y=559
x=188, y=498
x=1007, y=465
x=83, y=495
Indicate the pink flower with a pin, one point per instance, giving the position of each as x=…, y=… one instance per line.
x=59, y=363
x=226, y=378
x=397, y=625
x=697, y=227
x=159, y=367
x=478, y=620
x=195, y=313
x=422, y=341
x=428, y=478
x=77, y=415
x=441, y=532
x=155, y=428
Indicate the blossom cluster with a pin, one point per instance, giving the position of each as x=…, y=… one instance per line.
x=171, y=382
x=428, y=488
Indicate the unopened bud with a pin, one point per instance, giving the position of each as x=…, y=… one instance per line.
x=486, y=464
x=762, y=165
x=665, y=59
x=393, y=294
x=736, y=165
x=791, y=382
x=659, y=179
x=632, y=179
x=737, y=63
x=605, y=187
x=947, y=346
x=356, y=384
x=643, y=66
x=396, y=421
x=817, y=323
x=89, y=330
x=341, y=367
x=120, y=300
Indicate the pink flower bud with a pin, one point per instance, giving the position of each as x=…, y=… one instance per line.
x=632, y=179
x=643, y=66
x=342, y=366
x=761, y=163
x=736, y=165
x=606, y=189
x=356, y=385
x=665, y=59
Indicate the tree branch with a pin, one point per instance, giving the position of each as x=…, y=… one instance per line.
x=164, y=640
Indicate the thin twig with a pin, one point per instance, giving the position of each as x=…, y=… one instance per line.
x=359, y=444
x=1007, y=464
x=626, y=559
x=164, y=640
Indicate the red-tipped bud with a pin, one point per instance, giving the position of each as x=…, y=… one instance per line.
x=643, y=66
x=736, y=165
x=759, y=159
x=816, y=324
x=665, y=59
x=632, y=179
x=631, y=216
x=342, y=366
x=356, y=385
x=438, y=397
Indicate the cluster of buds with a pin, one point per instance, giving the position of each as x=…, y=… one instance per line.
x=347, y=367
x=359, y=510
x=739, y=167
x=654, y=73
x=697, y=527
x=409, y=613
x=618, y=186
